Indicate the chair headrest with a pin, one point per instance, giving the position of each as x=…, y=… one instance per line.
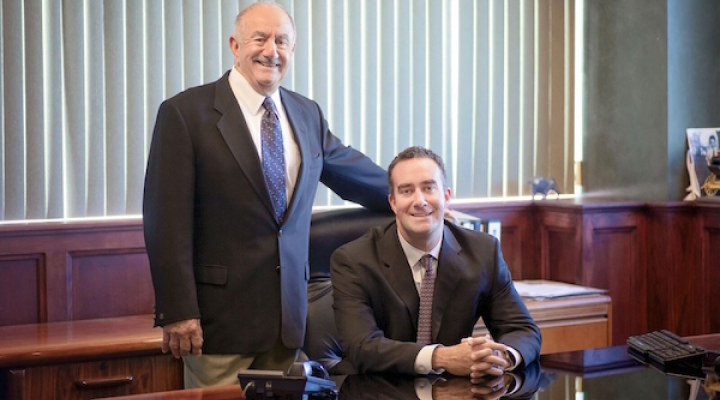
x=332, y=229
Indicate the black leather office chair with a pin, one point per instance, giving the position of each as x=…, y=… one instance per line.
x=330, y=230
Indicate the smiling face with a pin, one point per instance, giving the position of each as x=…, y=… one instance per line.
x=263, y=44
x=418, y=198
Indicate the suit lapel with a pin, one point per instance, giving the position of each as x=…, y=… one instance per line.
x=296, y=117
x=398, y=273
x=234, y=130
x=451, y=268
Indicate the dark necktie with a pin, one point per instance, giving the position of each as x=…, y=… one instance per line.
x=424, y=332
x=273, y=158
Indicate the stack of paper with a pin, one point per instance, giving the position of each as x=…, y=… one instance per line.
x=541, y=289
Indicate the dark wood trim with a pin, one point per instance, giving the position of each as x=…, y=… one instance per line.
x=657, y=260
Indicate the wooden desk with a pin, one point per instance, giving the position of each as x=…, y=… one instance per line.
x=215, y=393
x=570, y=323
x=710, y=342
x=571, y=367
x=121, y=356
x=587, y=369
x=589, y=362
x=85, y=359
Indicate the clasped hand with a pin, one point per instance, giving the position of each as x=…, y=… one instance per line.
x=474, y=357
x=488, y=388
x=492, y=387
x=183, y=338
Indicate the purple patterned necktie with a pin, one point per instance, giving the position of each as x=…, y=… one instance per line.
x=424, y=332
x=273, y=159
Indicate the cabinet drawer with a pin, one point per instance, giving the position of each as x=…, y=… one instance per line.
x=106, y=378
x=589, y=334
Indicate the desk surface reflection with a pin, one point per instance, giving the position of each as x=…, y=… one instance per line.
x=607, y=373
x=360, y=387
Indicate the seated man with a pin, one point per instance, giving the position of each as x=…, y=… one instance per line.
x=408, y=294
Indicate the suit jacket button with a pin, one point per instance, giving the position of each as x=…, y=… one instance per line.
x=277, y=269
x=280, y=233
x=161, y=316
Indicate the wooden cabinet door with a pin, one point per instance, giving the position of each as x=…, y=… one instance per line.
x=94, y=379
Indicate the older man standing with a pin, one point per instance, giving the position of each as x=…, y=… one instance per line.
x=232, y=173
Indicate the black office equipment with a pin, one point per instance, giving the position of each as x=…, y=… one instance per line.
x=303, y=380
x=666, y=351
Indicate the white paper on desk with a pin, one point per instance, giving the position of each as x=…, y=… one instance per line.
x=541, y=289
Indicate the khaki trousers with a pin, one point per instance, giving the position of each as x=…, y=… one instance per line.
x=223, y=369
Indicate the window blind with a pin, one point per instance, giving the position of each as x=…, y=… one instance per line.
x=487, y=84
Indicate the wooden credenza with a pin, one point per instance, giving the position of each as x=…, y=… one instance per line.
x=122, y=356
x=570, y=323
x=85, y=359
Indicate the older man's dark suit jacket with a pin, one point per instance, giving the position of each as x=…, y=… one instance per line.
x=216, y=251
x=376, y=301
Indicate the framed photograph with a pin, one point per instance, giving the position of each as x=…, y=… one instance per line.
x=702, y=162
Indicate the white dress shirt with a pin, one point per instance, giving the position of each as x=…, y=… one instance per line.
x=250, y=103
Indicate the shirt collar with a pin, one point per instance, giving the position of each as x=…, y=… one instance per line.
x=414, y=254
x=245, y=94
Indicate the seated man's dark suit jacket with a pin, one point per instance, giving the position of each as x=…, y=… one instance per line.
x=216, y=251
x=376, y=302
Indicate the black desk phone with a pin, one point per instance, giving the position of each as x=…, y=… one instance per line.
x=303, y=380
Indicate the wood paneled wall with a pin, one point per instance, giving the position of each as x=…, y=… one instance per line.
x=659, y=262
x=68, y=271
